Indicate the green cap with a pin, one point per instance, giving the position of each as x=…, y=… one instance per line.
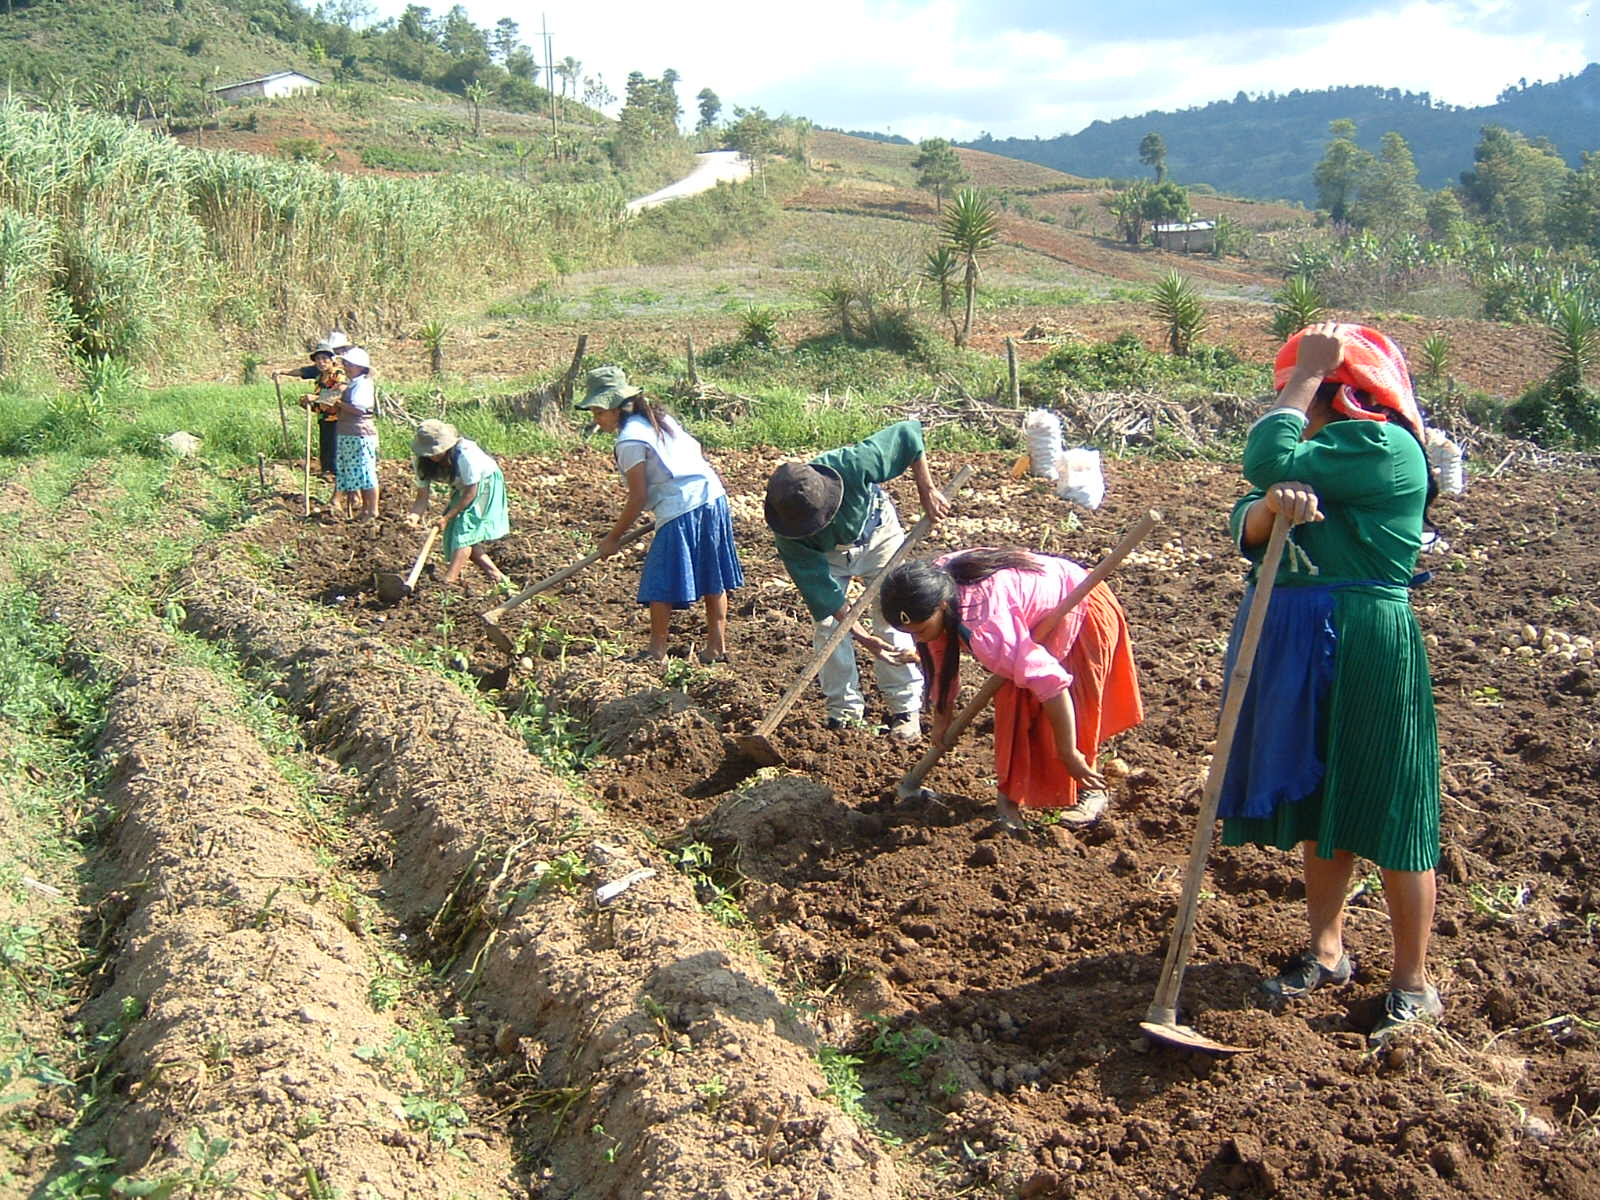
x=608, y=387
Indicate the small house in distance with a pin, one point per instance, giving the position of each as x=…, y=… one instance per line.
x=1193, y=237
x=268, y=87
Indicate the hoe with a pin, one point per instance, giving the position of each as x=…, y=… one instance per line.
x=756, y=745
x=394, y=588
x=491, y=619
x=1160, y=1023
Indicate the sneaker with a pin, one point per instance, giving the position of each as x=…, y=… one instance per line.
x=906, y=726
x=838, y=723
x=1087, y=810
x=1402, y=1008
x=1304, y=974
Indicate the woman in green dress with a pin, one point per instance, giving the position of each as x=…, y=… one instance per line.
x=476, y=513
x=1337, y=750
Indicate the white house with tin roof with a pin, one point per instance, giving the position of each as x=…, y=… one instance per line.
x=268, y=87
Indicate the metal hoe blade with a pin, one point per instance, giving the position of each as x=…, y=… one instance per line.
x=759, y=750
x=1186, y=1037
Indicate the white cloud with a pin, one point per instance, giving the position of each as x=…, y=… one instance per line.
x=1027, y=67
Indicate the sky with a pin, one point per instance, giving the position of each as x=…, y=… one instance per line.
x=1025, y=68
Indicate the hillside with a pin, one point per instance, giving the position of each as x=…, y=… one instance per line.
x=1267, y=146
x=161, y=58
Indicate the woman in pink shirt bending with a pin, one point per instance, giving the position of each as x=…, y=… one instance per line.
x=1064, y=696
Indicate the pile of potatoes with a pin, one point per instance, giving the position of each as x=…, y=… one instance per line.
x=1530, y=641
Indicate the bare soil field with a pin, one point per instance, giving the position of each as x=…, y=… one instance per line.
x=988, y=984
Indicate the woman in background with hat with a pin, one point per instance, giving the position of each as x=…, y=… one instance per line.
x=691, y=556
x=1337, y=751
x=355, y=469
x=476, y=512
x=834, y=523
x=331, y=382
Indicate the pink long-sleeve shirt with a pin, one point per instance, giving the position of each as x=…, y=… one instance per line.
x=1000, y=611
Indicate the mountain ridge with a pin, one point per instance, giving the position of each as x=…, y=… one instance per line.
x=1268, y=146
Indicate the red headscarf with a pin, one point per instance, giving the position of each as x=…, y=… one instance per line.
x=1372, y=363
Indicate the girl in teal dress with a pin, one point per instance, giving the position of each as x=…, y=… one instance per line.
x=476, y=513
x=1337, y=750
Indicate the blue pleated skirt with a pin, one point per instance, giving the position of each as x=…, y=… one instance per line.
x=691, y=557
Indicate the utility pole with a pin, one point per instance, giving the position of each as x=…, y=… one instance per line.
x=549, y=84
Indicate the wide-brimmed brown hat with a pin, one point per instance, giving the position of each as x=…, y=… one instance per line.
x=802, y=498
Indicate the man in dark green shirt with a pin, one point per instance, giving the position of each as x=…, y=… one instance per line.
x=833, y=523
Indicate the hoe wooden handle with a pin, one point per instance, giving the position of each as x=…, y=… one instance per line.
x=565, y=573
x=422, y=557
x=842, y=631
x=1164, y=1008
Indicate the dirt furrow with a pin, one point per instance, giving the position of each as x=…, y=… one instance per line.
x=636, y=1022
x=235, y=1003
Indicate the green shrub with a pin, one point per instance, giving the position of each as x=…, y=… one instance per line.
x=1559, y=413
x=758, y=328
x=301, y=149
x=389, y=158
x=1180, y=309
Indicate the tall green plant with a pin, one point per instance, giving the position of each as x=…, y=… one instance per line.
x=1180, y=310
x=1298, y=304
x=1435, y=351
x=1575, y=337
x=941, y=268
x=971, y=228
x=433, y=335
x=147, y=240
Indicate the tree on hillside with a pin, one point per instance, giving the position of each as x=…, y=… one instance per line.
x=971, y=228
x=476, y=94
x=595, y=92
x=1447, y=220
x=1155, y=203
x=1576, y=219
x=1389, y=201
x=1153, y=154
x=1338, y=175
x=754, y=135
x=940, y=169
x=506, y=39
x=1515, y=183
x=667, y=98
x=710, y=108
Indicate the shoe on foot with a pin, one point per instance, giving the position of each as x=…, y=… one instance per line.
x=1402, y=1008
x=1304, y=974
x=906, y=726
x=1087, y=810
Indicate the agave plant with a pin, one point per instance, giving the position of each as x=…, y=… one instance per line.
x=433, y=335
x=1180, y=309
x=1575, y=332
x=971, y=228
x=1299, y=304
x=1435, y=351
x=759, y=327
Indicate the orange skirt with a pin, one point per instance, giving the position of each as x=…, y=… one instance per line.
x=1105, y=700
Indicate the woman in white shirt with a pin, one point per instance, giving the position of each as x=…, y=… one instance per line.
x=476, y=513
x=692, y=555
